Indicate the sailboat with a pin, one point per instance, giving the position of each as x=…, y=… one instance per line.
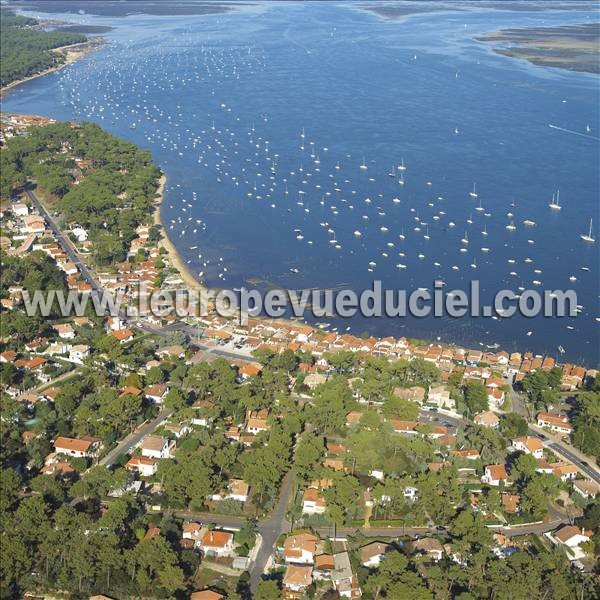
x=555, y=204
x=401, y=166
x=473, y=193
x=364, y=165
x=392, y=172
x=588, y=237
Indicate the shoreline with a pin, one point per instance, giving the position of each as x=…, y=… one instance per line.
x=72, y=53
x=175, y=259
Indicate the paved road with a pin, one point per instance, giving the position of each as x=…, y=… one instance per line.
x=271, y=528
x=64, y=242
x=396, y=532
x=127, y=444
x=223, y=521
x=586, y=467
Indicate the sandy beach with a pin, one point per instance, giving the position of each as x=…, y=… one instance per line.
x=174, y=257
x=72, y=53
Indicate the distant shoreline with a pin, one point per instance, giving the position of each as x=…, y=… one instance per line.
x=569, y=47
x=72, y=52
x=175, y=259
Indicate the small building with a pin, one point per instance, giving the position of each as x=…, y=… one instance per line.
x=343, y=577
x=429, y=546
x=487, y=419
x=78, y=353
x=84, y=447
x=313, y=503
x=237, y=489
x=156, y=393
x=495, y=475
x=572, y=536
x=145, y=466
x=554, y=422
x=65, y=331
x=372, y=554
x=217, y=543
x=123, y=336
x=586, y=488
x=529, y=445
x=297, y=578
x=439, y=396
x=300, y=548
x=156, y=446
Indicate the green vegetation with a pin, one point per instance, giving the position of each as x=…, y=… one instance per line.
x=587, y=423
x=115, y=195
x=26, y=51
x=542, y=387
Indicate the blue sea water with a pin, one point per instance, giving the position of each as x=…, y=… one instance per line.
x=221, y=101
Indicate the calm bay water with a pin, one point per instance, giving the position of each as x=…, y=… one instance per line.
x=221, y=102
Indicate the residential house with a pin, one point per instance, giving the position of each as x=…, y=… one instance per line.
x=439, y=396
x=145, y=466
x=312, y=502
x=257, y=424
x=554, y=422
x=586, y=488
x=192, y=531
x=572, y=536
x=83, y=447
x=297, y=578
x=217, y=543
x=78, y=353
x=123, y=335
x=495, y=475
x=178, y=430
x=487, y=419
x=372, y=554
x=343, y=577
x=300, y=548
x=65, y=331
x=529, y=445
x=324, y=565
x=155, y=446
x=237, y=489
x=430, y=547
x=156, y=393
x=404, y=427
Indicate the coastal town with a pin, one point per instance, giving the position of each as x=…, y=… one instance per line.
x=210, y=459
